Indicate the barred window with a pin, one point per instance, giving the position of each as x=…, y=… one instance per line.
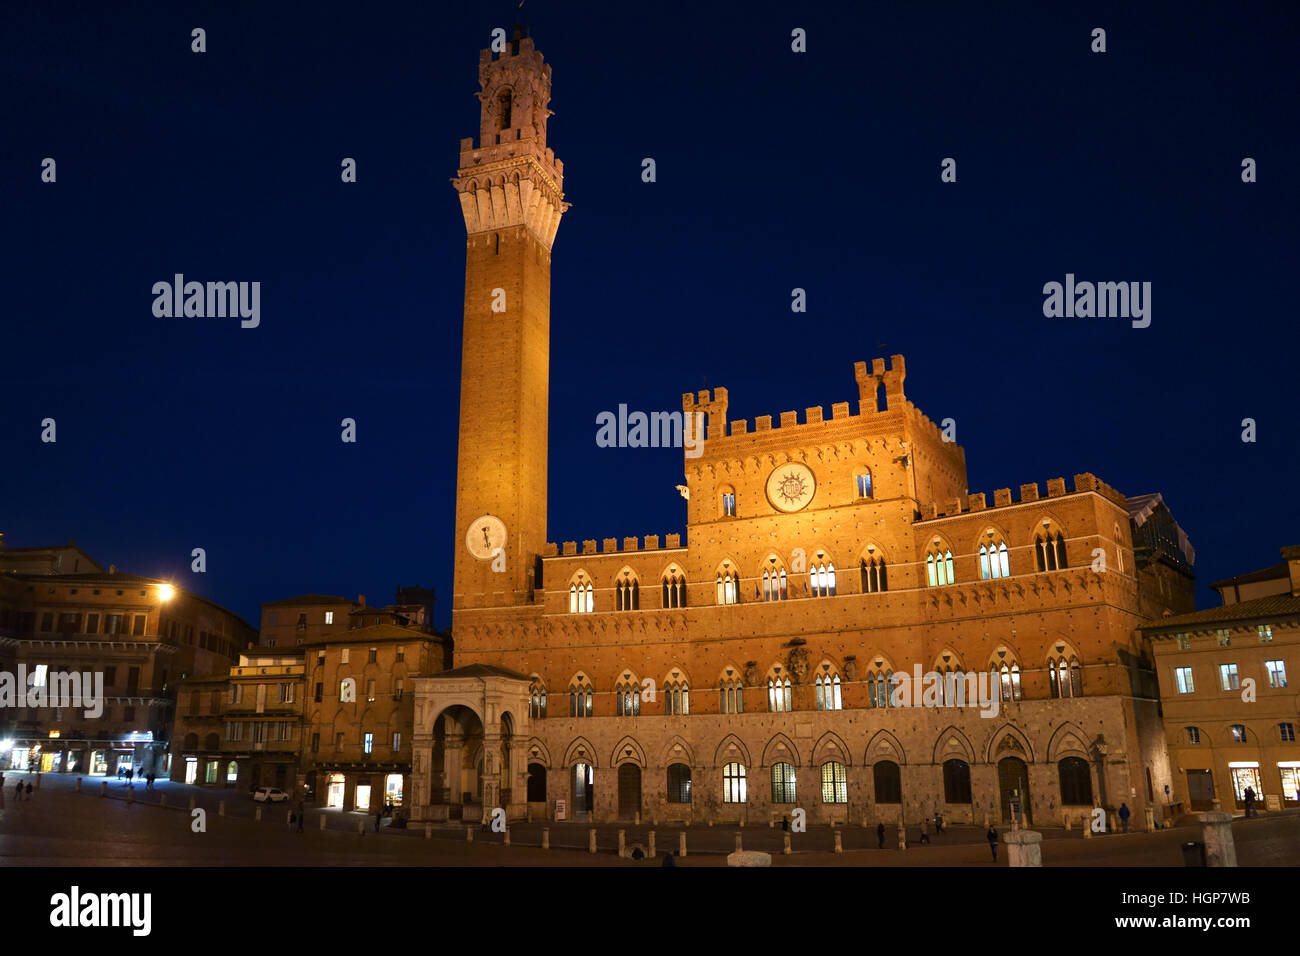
x=835, y=787
x=783, y=783
x=679, y=783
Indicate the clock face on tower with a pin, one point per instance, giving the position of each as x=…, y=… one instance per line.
x=485, y=535
x=791, y=486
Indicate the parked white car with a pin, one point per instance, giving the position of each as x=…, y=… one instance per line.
x=269, y=795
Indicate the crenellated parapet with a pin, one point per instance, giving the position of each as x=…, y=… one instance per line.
x=713, y=405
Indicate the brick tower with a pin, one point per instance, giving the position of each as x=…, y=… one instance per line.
x=510, y=187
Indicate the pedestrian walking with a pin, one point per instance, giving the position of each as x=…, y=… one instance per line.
x=302, y=811
x=938, y=823
x=669, y=859
x=18, y=791
x=379, y=819
x=992, y=837
x=1124, y=814
x=1250, y=802
x=880, y=835
x=785, y=824
x=29, y=791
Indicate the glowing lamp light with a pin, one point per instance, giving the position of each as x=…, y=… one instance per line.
x=166, y=592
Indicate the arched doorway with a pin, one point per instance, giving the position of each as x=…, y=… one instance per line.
x=457, y=771
x=1013, y=783
x=629, y=791
x=536, y=783
x=582, y=780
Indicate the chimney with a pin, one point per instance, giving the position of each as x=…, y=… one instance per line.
x=1291, y=555
x=112, y=569
x=361, y=599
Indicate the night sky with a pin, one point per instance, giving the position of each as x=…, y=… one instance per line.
x=775, y=170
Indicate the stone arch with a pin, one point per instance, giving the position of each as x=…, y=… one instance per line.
x=579, y=751
x=884, y=746
x=731, y=749
x=538, y=752
x=677, y=750
x=1068, y=740
x=1036, y=526
x=831, y=746
x=620, y=753
x=950, y=743
x=781, y=749
x=1008, y=741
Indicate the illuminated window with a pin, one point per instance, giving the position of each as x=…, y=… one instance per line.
x=1183, y=679
x=938, y=568
x=329, y=617
x=1006, y=677
x=1224, y=636
x=1265, y=633
x=1238, y=733
x=733, y=783
x=774, y=584
x=828, y=692
x=783, y=783
x=821, y=579
x=1276, y=673
x=835, y=787
x=1065, y=677
x=864, y=485
x=368, y=744
x=729, y=505
x=880, y=683
x=1228, y=679
x=728, y=587
x=993, y=561
x=582, y=597
x=1286, y=732
x=778, y=694
x=1193, y=734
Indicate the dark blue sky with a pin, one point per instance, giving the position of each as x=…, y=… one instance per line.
x=775, y=170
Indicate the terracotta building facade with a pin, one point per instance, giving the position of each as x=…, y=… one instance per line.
x=748, y=667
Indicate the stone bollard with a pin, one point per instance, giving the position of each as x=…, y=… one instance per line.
x=221, y=808
x=1216, y=831
x=651, y=851
x=739, y=847
x=785, y=843
x=506, y=841
x=103, y=789
x=546, y=838
x=839, y=842
x=1066, y=815
x=681, y=843
x=1024, y=848
x=591, y=840
x=1151, y=819
x=902, y=837
x=162, y=801
x=1086, y=825
x=257, y=814
x=288, y=817
x=469, y=834
x=322, y=821
x=428, y=831
x=78, y=785
x=622, y=843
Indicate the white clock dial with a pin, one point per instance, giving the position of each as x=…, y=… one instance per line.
x=485, y=536
x=791, y=486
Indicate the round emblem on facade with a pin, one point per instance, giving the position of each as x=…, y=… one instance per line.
x=485, y=535
x=791, y=486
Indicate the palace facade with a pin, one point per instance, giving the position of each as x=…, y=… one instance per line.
x=744, y=669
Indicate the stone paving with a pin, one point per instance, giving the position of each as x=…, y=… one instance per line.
x=60, y=826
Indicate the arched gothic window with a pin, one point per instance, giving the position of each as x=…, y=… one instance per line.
x=879, y=685
x=779, y=699
x=774, y=584
x=728, y=587
x=582, y=596
x=628, y=593
x=828, y=692
x=537, y=700
x=1065, y=677
x=731, y=696
x=821, y=579
x=1049, y=551
x=677, y=698
x=581, y=697
x=993, y=561
x=627, y=697
x=938, y=568
x=674, y=587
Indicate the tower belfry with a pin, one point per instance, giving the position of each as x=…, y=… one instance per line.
x=511, y=196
